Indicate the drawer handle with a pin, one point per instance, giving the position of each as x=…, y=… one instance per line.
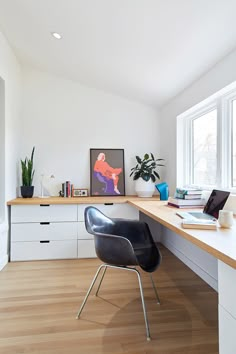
x=44, y=241
x=45, y=205
x=108, y=203
x=45, y=223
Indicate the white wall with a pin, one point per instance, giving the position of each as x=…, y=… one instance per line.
x=218, y=77
x=64, y=119
x=10, y=74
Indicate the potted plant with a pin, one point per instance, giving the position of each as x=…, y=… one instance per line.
x=27, y=170
x=145, y=174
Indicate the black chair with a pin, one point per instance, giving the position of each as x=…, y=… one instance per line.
x=121, y=243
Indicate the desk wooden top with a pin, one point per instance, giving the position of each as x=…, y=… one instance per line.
x=220, y=243
x=76, y=200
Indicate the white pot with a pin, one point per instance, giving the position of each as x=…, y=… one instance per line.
x=144, y=188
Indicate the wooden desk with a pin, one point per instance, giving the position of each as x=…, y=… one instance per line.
x=220, y=243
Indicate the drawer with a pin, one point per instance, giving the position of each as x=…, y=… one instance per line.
x=86, y=249
x=42, y=231
x=38, y=213
x=27, y=251
x=82, y=233
x=114, y=211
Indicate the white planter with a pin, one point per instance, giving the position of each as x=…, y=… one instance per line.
x=144, y=188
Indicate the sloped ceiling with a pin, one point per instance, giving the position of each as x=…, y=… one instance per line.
x=145, y=50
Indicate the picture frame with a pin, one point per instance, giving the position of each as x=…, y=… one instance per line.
x=79, y=192
x=107, y=172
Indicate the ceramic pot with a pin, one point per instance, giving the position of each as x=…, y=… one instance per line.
x=27, y=191
x=143, y=188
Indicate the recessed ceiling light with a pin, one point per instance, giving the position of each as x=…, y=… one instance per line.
x=56, y=35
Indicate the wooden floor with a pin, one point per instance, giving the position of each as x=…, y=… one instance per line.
x=39, y=302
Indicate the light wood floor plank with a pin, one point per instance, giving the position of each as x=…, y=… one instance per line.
x=39, y=302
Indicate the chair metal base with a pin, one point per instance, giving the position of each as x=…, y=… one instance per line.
x=105, y=266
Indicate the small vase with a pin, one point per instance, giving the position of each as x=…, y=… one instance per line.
x=27, y=191
x=143, y=188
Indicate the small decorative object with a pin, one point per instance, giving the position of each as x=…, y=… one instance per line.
x=144, y=175
x=79, y=192
x=45, y=184
x=163, y=190
x=27, y=169
x=107, y=172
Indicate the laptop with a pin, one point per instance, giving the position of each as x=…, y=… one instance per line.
x=211, y=210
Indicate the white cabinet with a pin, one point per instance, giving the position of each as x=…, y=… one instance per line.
x=43, y=232
x=227, y=308
x=58, y=231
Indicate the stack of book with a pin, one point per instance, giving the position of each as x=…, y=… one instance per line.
x=187, y=198
x=67, y=189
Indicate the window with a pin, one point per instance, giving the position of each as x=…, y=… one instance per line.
x=206, y=142
x=204, y=150
x=2, y=149
x=233, y=167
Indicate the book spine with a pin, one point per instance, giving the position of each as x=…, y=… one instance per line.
x=64, y=189
x=187, y=196
x=188, y=191
x=68, y=189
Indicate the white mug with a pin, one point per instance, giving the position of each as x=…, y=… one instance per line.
x=226, y=218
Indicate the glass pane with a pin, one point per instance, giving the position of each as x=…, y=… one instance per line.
x=205, y=149
x=234, y=145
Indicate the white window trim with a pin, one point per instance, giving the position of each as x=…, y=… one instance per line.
x=219, y=100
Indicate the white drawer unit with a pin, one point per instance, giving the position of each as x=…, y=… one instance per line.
x=56, y=231
x=43, y=232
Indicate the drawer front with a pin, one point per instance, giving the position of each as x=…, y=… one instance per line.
x=82, y=233
x=125, y=211
x=39, y=213
x=43, y=231
x=27, y=251
x=86, y=249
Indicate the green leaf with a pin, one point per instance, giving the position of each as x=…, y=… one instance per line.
x=138, y=159
x=146, y=157
x=153, y=178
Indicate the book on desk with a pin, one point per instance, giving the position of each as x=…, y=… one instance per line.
x=199, y=224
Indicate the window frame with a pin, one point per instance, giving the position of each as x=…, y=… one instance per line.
x=222, y=101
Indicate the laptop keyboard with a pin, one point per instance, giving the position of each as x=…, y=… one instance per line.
x=185, y=215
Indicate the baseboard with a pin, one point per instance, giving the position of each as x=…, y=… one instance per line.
x=3, y=261
x=193, y=266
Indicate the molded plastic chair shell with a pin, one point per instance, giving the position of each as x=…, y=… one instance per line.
x=121, y=243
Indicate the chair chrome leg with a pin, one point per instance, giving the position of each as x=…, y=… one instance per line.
x=104, y=271
x=155, y=290
x=89, y=291
x=144, y=307
x=140, y=287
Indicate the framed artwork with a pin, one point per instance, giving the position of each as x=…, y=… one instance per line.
x=107, y=175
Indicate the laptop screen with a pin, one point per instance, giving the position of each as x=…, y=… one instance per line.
x=216, y=202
